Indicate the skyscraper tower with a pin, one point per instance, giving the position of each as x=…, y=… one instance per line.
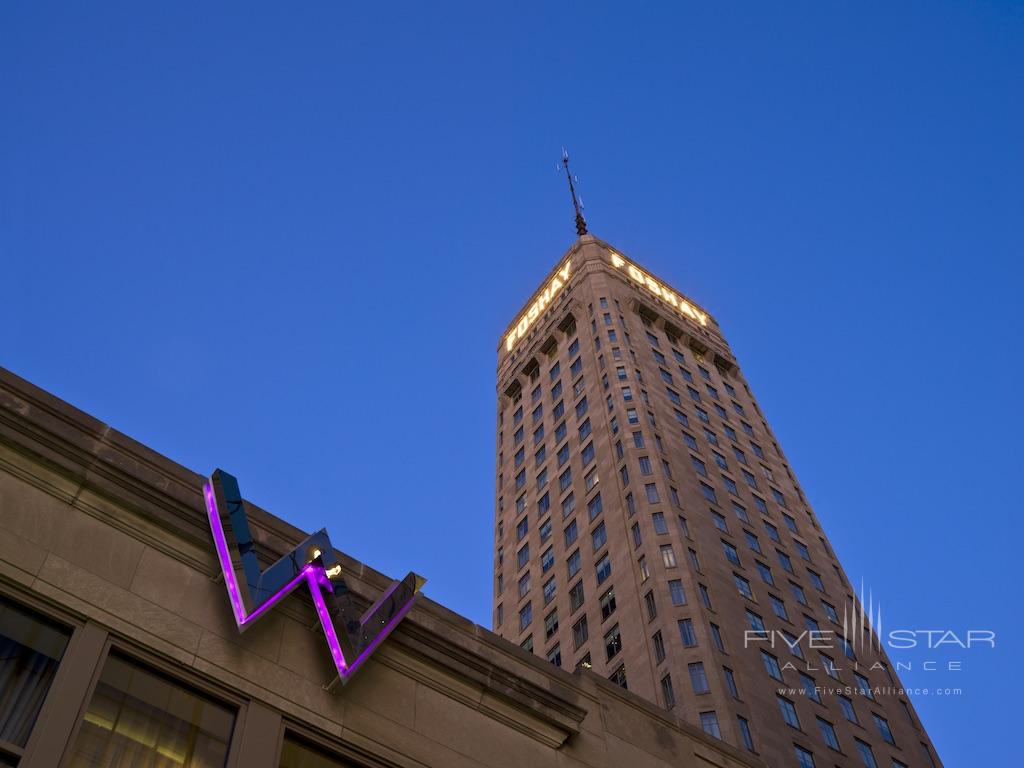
x=649, y=528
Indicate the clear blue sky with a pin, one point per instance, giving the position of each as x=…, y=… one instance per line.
x=283, y=239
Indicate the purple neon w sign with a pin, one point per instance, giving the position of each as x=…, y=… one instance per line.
x=351, y=636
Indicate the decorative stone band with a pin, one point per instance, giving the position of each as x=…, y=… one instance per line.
x=351, y=637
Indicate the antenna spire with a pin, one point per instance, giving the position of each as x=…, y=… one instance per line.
x=577, y=204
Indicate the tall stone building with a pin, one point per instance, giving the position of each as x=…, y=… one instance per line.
x=649, y=527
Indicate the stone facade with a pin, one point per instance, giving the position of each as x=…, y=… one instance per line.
x=109, y=539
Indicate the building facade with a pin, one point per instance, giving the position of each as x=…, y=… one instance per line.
x=119, y=647
x=649, y=527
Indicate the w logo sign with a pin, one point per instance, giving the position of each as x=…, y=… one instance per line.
x=351, y=636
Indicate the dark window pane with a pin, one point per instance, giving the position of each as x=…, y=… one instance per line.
x=295, y=754
x=30, y=651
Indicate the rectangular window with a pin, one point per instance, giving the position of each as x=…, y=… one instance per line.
x=144, y=719
x=883, y=728
x=612, y=642
x=676, y=592
x=31, y=648
x=668, y=557
x=524, y=584
x=581, y=408
x=604, y=569
x=651, y=489
x=549, y=590
x=756, y=623
x=810, y=688
x=599, y=537
x=866, y=755
x=779, y=608
x=709, y=722
x=846, y=705
x=570, y=534
x=804, y=759
x=607, y=603
x=651, y=605
x=730, y=682
x=741, y=513
x=523, y=556
x=547, y=560
x=705, y=596
x=743, y=586
x=698, y=678
x=771, y=665
x=730, y=553
x=550, y=625
x=709, y=492
x=828, y=733
x=667, y=693
x=686, y=633
x=788, y=712
x=579, y=633
x=748, y=740
x=572, y=564
x=716, y=636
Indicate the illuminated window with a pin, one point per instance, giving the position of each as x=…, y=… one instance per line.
x=146, y=719
x=668, y=557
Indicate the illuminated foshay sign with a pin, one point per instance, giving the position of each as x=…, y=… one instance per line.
x=351, y=637
x=534, y=311
x=674, y=300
